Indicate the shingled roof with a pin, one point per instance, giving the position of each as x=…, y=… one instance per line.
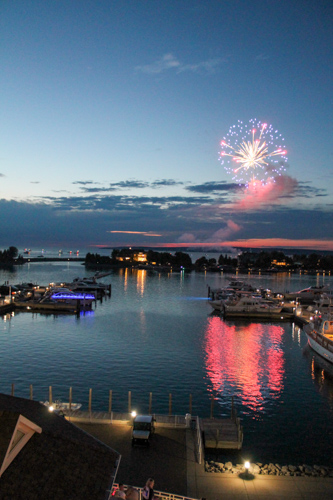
x=60, y=462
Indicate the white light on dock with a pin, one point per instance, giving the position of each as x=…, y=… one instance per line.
x=133, y=414
x=247, y=465
x=51, y=408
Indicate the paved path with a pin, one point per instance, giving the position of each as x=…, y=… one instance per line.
x=171, y=460
x=165, y=459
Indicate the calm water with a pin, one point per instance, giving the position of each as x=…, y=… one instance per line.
x=157, y=334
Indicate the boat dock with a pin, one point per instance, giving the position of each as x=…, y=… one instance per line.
x=222, y=434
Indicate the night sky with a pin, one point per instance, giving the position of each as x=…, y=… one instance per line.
x=112, y=114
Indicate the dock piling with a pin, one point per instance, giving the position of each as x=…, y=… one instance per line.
x=150, y=402
x=170, y=404
x=212, y=407
x=90, y=399
x=129, y=401
x=110, y=402
x=31, y=392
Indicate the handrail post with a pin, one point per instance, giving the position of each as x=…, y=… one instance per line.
x=90, y=399
x=150, y=402
x=110, y=402
x=70, y=399
x=129, y=401
x=212, y=407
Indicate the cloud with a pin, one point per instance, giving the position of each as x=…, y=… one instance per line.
x=187, y=238
x=144, y=233
x=258, y=194
x=167, y=62
x=226, y=232
x=183, y=221
x=2, y=175
x=130, y=184
x=217, y=237
x=97, y=189
x=170, y=62
x=210, y=187
x=307, y=191
x=166, y=182
x=31, y=182
x=84, y=183
x=262, y=57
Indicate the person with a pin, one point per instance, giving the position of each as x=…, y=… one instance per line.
x=148, y=490
x=132, y=493
x=120, y=492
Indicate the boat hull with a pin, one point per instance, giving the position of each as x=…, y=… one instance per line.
x=320, y=344
x=217, y=305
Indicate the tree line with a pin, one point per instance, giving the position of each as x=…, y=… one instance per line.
x=274, y=260
x=10, y=256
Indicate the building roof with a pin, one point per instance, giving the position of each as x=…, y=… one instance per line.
x=61, y=461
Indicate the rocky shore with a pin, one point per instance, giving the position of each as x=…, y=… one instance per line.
x=270, y=469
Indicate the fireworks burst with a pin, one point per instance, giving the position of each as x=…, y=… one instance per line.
x=253, y=152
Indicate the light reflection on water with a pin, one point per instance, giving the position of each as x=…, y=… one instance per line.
x=245, y=361
x=157, y=334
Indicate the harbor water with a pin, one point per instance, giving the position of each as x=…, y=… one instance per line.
x=157, y=334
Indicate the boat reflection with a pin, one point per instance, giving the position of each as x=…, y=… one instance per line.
x=245, y=361
x=321, y=373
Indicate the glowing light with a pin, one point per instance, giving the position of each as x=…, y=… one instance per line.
x=260, y=157
x=74, y=296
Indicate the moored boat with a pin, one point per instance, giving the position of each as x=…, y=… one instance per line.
x=59, y=405
x=309, y=294
x=319, y=333
x=250, y=306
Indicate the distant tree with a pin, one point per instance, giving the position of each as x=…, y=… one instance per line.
x=10, y=256
x=182, y=259
x=201, y=262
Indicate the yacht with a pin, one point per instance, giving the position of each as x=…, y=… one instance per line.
x=250, y=306
x=319, y=333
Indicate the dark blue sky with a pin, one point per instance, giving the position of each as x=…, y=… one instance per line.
x=113, y=113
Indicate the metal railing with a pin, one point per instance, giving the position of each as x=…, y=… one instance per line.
x=199, y=442
x=162, y=495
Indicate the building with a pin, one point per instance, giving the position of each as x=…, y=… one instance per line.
x=42, y=455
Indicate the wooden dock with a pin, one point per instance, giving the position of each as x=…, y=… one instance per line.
x=222, y=433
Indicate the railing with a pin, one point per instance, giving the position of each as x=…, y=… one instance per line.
x=174, y=420
x=162, y=495
x=199, y=442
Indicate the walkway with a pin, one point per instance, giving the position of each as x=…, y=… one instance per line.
x=171, y=460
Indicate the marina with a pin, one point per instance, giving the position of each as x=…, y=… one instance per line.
x=164, y=321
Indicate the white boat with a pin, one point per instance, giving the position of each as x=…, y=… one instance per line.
x=61, y=406
x=307, y=294
x=320, y=336
x=250, y=306
x=324, y=304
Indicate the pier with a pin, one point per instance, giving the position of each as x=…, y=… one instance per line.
x=218, y=433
